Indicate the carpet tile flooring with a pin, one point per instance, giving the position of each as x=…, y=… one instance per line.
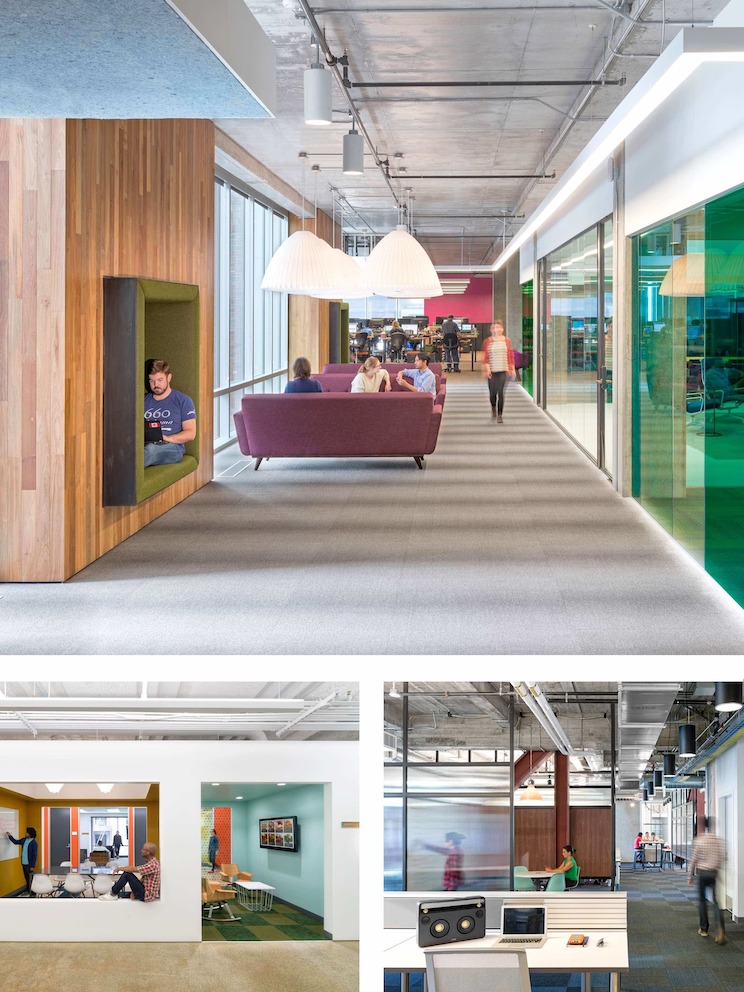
x=282, y=922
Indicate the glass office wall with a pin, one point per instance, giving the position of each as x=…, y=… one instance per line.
x=527, y=334
x=250, y=327
x=688, y=383
x=577, y=287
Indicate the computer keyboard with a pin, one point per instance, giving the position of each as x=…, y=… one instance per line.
x=521, y=940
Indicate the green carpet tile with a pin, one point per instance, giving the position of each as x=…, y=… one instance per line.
x=283, y=922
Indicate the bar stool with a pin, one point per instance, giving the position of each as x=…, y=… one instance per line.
x=667, y=858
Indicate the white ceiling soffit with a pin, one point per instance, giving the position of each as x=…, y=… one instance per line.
x=527, y=85
x=643, y=708
x=88, y=791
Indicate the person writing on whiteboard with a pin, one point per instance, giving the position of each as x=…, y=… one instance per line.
x=146, y=888
x=29, y=854
x=170, y=410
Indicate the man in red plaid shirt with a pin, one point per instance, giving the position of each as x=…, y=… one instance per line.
x=452, y=880
x=145, y=890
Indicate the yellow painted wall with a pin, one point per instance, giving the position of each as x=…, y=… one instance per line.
x=29, y=815
x=11, y=873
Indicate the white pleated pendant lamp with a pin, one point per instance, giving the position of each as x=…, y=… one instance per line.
x=399, y=267
x=348, y=277
x=302, y=264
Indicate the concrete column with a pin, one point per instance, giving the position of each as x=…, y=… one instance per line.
x=513, y=311
x=562, y=813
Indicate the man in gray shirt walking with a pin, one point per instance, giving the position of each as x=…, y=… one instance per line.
x=708, y=856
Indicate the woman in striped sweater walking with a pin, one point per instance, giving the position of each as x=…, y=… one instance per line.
x=498, y=365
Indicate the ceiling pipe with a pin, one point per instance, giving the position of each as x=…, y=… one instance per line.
x=406, y=9
x=487, y=175
x=450, y=84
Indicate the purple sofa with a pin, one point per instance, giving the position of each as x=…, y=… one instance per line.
x=337, y=382
x=392, y=367
x=338, y=425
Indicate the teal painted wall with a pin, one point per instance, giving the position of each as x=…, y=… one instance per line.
x=296, y=876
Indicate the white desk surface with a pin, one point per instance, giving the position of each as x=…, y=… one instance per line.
x=402, y=953
x=256, y=886
x=533, y=874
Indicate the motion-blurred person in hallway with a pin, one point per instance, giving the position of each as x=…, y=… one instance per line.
x=498, y=366
x=708, y=855
x=453, y=877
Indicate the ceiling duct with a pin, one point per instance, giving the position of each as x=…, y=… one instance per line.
x=643, y=709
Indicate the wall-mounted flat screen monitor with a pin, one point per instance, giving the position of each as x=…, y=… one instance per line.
x=279, y=833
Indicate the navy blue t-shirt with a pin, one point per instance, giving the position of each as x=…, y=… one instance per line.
x=303, y=386
x=171, y=411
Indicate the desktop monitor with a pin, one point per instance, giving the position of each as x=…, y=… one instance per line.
x=438, y=320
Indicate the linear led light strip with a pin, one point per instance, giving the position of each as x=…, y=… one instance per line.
x=690, y=49
x=532, y=695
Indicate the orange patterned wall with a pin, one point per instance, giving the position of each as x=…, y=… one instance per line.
x=223, y=826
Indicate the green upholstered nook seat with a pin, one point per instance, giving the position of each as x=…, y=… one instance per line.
x=144, y=318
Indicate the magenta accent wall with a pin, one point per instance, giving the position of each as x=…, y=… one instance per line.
x=476, y=302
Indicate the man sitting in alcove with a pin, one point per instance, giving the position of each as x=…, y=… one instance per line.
x=170, y=411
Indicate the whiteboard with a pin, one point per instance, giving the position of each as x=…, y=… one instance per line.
x=9, y=823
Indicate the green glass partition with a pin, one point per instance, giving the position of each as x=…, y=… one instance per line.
x=688, y=395
x=527, y=336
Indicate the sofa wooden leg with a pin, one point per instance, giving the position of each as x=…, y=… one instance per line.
x=258, y=462
x=419, y=459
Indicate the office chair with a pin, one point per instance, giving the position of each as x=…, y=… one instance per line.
x=360, y=348
x=215, y=897
x=522, y=884
x=229, y=874
x=42, y=885
x=75, y=885
x=556, y=883
x=570, y=888
x=397, y=344
x=462, y=970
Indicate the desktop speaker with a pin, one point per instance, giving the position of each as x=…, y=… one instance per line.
x=446, y=922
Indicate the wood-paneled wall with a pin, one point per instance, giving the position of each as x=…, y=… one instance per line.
x=32, y=306
x=534, y=837
x=590, y=836
x=140, y=202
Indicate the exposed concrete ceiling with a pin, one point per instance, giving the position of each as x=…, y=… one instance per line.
x=179, y=710
x=467, y=715
x=472, y=130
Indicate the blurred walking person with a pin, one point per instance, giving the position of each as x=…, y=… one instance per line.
x=498, y=366
x=708, y=856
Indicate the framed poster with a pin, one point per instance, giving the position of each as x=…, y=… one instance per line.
x=279, y=833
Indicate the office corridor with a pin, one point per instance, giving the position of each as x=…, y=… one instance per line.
x=510, y=542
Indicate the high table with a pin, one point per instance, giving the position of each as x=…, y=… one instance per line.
x=402, y=955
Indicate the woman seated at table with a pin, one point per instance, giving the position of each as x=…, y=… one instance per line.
x=568, y=867
x=369, y=377
x=302, y=383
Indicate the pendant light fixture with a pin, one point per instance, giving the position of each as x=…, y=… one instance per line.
x=346, y=276
x=303, y=263
x=353, y=157
x=658, y=778
x=531, y=793
x=399, y=267
x=645, y=795
x=669, y=764
x=318, y=108
x=650, y=788
x=687, y=747
x=728, y=697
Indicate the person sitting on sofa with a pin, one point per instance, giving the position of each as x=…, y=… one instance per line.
x=302, y=383
x=173, y=412
x=369, y=377
x=423, y=377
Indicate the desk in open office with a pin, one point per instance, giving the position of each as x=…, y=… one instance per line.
x=571, y=911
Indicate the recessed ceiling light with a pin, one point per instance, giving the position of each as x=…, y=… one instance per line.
x=238, y=797
x=281, y=783
x=215, y=783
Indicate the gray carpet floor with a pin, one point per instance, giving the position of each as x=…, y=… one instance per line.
x=510, y=542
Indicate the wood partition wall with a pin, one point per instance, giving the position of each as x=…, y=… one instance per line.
x=32, y=374
x=140, y=202
x=535, y=840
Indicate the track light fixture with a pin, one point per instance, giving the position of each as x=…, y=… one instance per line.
x=318, y=109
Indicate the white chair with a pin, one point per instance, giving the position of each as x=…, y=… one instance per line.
x=42, y=885
x=461, y=970
x=102, y=884
x=75, y=885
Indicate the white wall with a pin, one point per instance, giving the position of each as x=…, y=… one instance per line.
x=627, y=825
x=726, y=780
x=181, y=767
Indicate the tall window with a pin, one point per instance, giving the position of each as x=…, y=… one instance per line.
x=250, y=325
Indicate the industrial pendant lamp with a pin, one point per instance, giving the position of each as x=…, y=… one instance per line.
x=353, y=152
x=399, y=267
x=531, y=793
x=669, y=764
x=318, y=109
x=650, y=788
x=345, y=275
x=687, y=746
x=658, y=778
x=645, y=795
x=728, y=697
